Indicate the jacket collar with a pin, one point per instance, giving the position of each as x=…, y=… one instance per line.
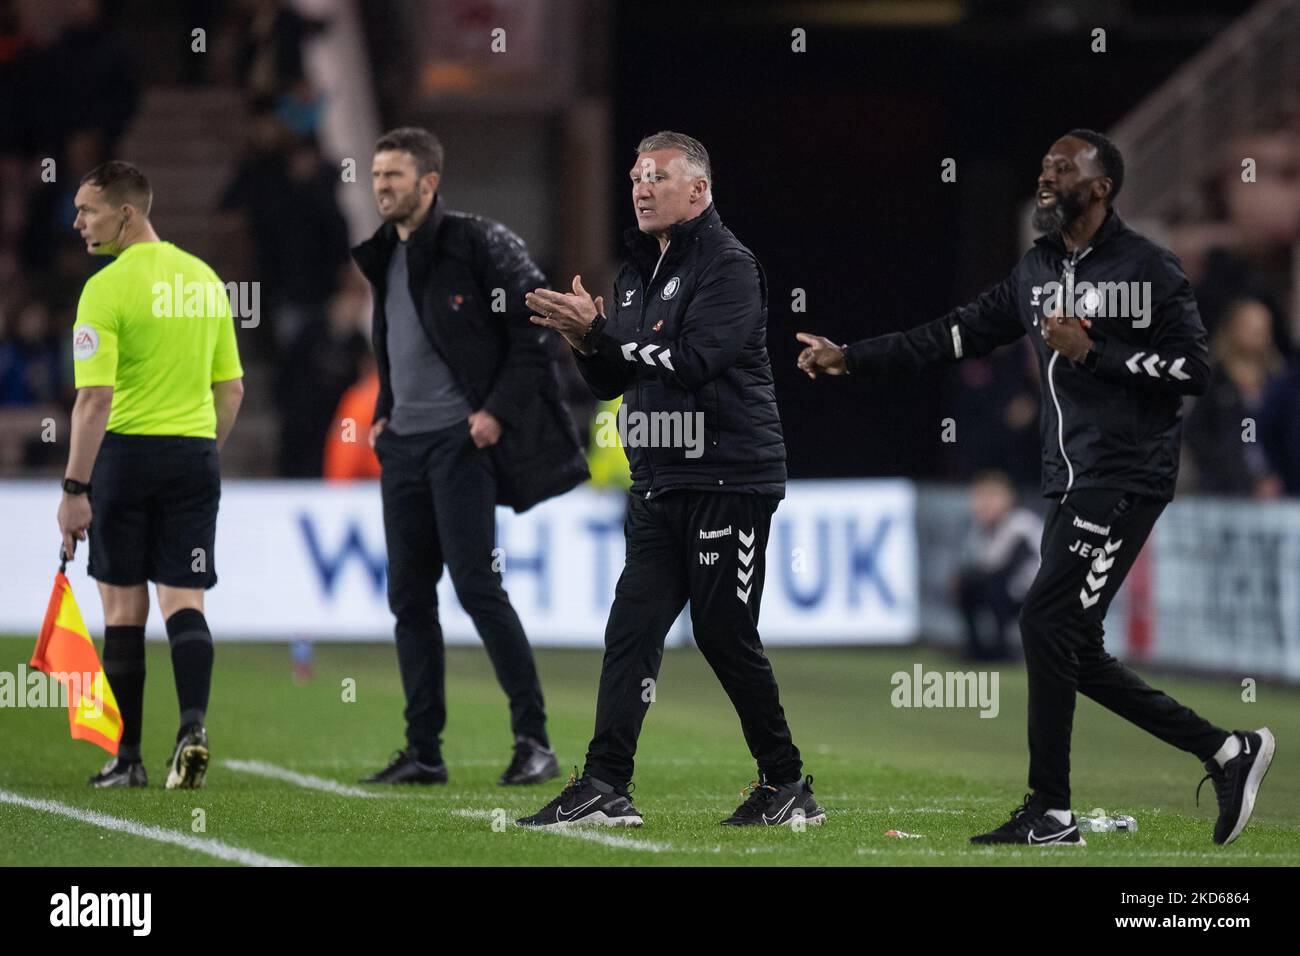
x=1111, y=226
x=645, y=248
x=372, y=255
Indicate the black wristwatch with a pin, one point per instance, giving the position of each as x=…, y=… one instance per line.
x=74, y=487
x=595, y=323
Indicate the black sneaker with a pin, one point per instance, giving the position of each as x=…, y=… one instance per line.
x=532, y=763
x=581, y=804
x=189, y=760
x=767, y=805
x=1237, y=782
x=406, y=767
x=121, y=773
x=1031, y=825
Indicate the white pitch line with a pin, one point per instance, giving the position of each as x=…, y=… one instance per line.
x=261, y=768
x=582, y=833
x=998, y=852
x=222, y=851
x=952, y=810
x=608, y=839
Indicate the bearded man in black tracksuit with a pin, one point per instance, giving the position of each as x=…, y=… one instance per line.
x=686, y=341
x=1119, y=342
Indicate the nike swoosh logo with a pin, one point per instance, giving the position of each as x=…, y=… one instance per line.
x=561, y=815
x=1247, y=740
x=779, y=814
x=1054, y=838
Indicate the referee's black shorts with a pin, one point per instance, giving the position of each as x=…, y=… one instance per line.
x=153, y=502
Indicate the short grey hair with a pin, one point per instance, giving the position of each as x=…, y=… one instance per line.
x=695, y=155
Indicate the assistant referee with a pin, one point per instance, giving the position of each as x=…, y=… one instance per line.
x=159, y=385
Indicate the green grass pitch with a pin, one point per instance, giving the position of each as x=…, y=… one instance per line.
x=941, y=774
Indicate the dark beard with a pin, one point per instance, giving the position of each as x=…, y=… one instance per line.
x=1059, y=216
x=403, y=208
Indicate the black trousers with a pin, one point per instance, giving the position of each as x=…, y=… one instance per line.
x=439, y=494
x=1090, y=540
x=706, y=547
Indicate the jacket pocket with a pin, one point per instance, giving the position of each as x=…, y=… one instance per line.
x=712, y=415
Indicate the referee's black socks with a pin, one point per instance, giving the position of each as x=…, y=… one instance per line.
x=124, y=669
x=191, y=643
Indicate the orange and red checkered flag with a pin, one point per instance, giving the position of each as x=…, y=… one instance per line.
x=65, y=650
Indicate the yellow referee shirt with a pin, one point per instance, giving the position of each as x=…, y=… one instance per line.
x=156, y=325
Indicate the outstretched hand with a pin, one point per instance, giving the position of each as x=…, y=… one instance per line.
x=570, y=314
x=821, y=357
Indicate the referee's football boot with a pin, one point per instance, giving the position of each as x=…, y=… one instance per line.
x=189, y=759
x=1032, y=825
x=769, y=805
x=1237, y=782
x=406, y=767
x=532, y=763
x=121, y=773
x=585, y=801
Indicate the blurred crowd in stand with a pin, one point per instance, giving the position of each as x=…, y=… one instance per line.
x=65, y=104
x=72, y=97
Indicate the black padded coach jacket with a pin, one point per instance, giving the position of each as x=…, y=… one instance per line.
x=687, y=332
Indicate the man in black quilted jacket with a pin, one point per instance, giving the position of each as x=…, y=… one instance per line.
x=468, y=417
x=685, y=345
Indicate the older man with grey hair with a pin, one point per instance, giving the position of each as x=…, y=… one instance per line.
x=685, y=343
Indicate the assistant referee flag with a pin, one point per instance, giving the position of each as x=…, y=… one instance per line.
x=65, y=650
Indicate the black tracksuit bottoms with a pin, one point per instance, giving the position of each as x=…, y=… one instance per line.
x=1091, y=538
x=439, y=494
x=706, y=547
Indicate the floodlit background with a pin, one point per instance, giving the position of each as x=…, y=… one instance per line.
x=828, y=124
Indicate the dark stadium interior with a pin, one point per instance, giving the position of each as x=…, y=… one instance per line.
x=828, y=164
x=362, y=509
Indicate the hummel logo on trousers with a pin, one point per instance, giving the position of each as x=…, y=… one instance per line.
x=660, y=575
x=1061, y=628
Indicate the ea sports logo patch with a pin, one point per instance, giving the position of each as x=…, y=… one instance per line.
x=670, y=289
x=85, y=342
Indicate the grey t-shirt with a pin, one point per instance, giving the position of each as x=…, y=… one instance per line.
x=425, y=394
